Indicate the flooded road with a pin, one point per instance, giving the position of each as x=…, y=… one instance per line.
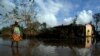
x=34, y=47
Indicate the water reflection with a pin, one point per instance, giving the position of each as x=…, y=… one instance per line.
x=33, y=47
x=16, y=51
x=43, y=50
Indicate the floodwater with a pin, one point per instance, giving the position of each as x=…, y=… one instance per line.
x=34, y=47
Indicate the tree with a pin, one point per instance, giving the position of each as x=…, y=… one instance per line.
x=97, y=19
x=22, y=12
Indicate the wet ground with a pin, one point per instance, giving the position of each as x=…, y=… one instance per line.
x=35, y=47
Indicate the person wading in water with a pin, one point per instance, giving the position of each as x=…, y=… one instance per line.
x=16, y=34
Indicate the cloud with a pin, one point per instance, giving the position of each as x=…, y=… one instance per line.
x=49, y=10
x=84, y=17
x=68, y=21
x=48, y=18
x=6, y=6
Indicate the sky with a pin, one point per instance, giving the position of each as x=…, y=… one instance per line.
x=64, y=11
x=57, y=12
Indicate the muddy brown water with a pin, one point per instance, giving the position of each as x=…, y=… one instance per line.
x=34, y=47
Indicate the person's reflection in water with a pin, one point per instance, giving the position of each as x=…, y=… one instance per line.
x=31, y=45
x=15, y=51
